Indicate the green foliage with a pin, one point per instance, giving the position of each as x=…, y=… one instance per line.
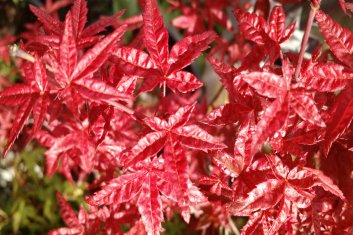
x=27, y=203
x=174, y=226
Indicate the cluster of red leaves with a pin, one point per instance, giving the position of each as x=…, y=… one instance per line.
x=279, y=152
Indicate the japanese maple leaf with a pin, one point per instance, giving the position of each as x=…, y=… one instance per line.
x=268, y=37
x=84, y=36
x=66, y=148
x=75, y=75
x=215, y=217
x=31, y=98
x=233, y=164
x=69, y=217
x=146, y=183
x=227, y=114
x=168, y=132
x=172, y=134
x=82, y=223
x=141, y=184
x=288, y=188
x=297, y=96
x=340, y=41
x=160, y=66
x=6, y=122
x=218, y=184
x=77, y=146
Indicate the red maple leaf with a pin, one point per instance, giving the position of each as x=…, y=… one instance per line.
x=288, y=188
x=31, y=97
x=160, y=66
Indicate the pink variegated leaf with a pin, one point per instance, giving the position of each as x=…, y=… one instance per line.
x=22, y=115
x=341, y=118
x=89, y=41
x=319, y=179
x=68, y=50
x=28, y=73
x=282, y=216
x=187, y=22
x=134, y=62
x=305, y=107
x=287, y=32
x=60, y=146
x=47, y=40
x=40, y=76
x=183, y=82
x=127, y=85
x=253, y=223
x=93, y=59
x=299, y=196
x=156, y=123
x=177, y=175
x=265, y=83
x=150, y=205
x=196, y=138
x=177, y=119
x=155, y=34
x=96, y=90
x=306, y=138
x=49, y=22
x=276, y=23
x=150, y=83
x=60, y=75
x=243, y=143
x=101, y=25
x=86, y=158
x=264, y=196
x=252, y=26
x=325, y=77
x=254, y=57
x=118, y=190
x=272, y=120
x=68, y=215
x=188, y=49
x=217, y=184
x=146, y=147
x=79, y=16
x=276, y=165
x=195, y=195
x=227, y=114
x=39, y=112
x=224, y=71
x=338, y=38
x=16, y=94
x=45, y=139
x=227, y=163
x=51, y=164
x=181, y=116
